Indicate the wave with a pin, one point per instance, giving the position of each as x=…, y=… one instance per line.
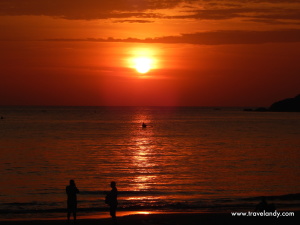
x=126, y=193
x=222, y=204
x=287, y=197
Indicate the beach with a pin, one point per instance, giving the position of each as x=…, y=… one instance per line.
x=170, y=219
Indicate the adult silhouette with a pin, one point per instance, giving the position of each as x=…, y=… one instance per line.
x=72, y=192
x=111, y=199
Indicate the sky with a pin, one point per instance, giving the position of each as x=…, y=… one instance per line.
x=190, y=53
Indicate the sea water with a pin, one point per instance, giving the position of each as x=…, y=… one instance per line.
x=186, y=159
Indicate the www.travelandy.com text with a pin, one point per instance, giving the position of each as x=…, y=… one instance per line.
x=263, y=214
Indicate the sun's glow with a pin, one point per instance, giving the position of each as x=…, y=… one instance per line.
x=143, y=60
x=142, y=64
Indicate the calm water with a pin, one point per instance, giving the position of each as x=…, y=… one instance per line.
x=186, y=159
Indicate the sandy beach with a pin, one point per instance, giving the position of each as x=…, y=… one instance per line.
x=170, y=219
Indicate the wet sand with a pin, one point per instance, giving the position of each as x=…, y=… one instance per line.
x=170, y=219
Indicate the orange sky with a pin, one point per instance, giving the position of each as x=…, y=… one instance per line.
x=204, y=52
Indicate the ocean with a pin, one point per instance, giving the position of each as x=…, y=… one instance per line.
x=187, y=159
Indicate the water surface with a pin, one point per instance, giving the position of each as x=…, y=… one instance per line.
x=188, y=158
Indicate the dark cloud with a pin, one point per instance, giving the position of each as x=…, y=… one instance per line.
x=77, y=9
x=227, y=2
x=259, y=14
x=213, y=38
x=144, y=10
x=210, y=14
x=239, y=37
x=280, y=14
x=133, y=21
x=271, y=21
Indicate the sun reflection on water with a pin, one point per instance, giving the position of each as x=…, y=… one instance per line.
x=143, y=154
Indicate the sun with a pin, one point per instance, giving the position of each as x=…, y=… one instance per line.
x=142, y=64
x=142, y=60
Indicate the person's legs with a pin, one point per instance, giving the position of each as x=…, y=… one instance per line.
x=74, y=215
x=68, y=214
x=72, y=208
x=112, y=211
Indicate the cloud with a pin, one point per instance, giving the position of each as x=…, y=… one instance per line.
x=133, y=21
x=247, y=13
x=136, y=9
x=223, y=37
x=88, y=9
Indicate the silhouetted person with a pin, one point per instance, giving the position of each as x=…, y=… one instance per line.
x=144, y=125
x=264, y=206
x=111, y=200
x=72, y=192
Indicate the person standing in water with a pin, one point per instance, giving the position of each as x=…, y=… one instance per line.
x=72, y=192
x=111, y=200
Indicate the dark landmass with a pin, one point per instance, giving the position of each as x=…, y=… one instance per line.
x=285, y=105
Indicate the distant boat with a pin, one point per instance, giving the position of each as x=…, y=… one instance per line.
x=144, y=125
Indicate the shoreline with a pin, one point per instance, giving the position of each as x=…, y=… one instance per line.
x=157, y=218
x=98, y=215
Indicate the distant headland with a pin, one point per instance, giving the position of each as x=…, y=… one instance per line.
x=285, y=105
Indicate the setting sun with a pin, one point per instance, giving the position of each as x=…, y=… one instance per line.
x=142, y=64
x=143, y=60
